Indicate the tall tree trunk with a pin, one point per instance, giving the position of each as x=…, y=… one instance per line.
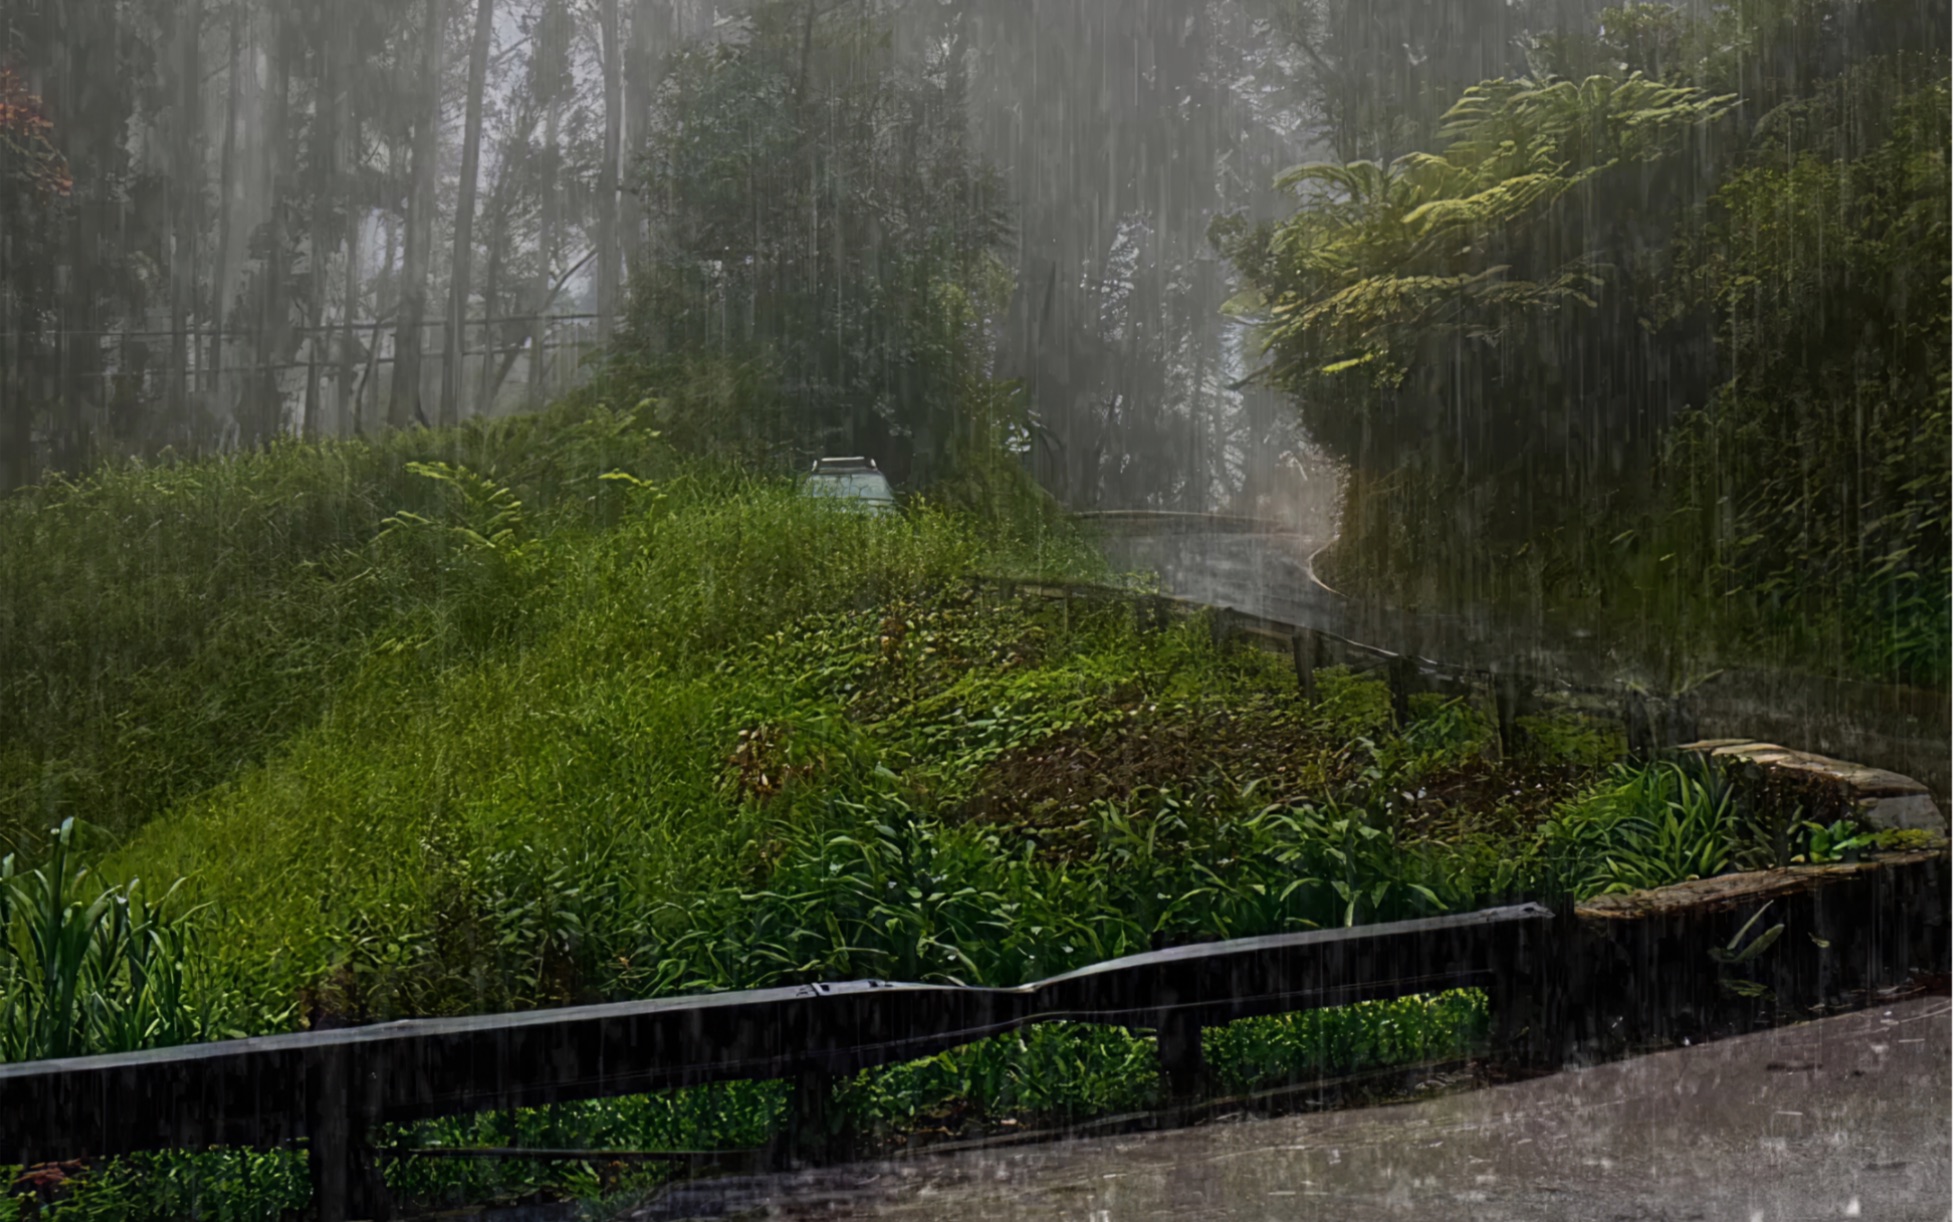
x=553, y=26
x=348, y=313
x=405, y=408
x=386, y=286
x=498, y=240
x=651, y=26
x=266, y=413
x=325, y=188
x=351, y=159
x=220, y=276
x=16, y=417
x=464, y=217
x=187, y=169
x=386, y=290
x=607, y=279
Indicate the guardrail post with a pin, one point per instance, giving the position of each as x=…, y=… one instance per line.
x=810, y=1137
x=1505, y=706
x=1529, y=994
x=346, y=1180
x=1220, y=625
x=1401, y=673
x=1642, y=739
x=1304, y=646
x=1181, y=1060
x=1654, y=723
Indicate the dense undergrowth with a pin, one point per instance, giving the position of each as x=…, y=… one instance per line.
x=536, y=714
x=1763, y=480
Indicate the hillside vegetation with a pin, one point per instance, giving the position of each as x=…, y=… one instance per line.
x=1652, y=340
x=538, y=713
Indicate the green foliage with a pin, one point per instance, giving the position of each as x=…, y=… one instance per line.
x=1350, y=706
x=1577, y=741
x=1443, y=733
x=88, y=968
x=1385, y=263
x=1380, y=75
x=1760, y=475
x=1650, y=827
x=721, y=1116
x=619, y=728
x=162, y=627
x=1842, y=840
x=1767, y=51
x=824, y=254
x=1906, y=839
x=709, y=782
x=1259, y=1053
x=1668, y=822
x=1053, y=1072
x=914, y=899
x=1066, y=1072
x=1434, y=316
x=1813, y=491
x=1805, y=510
x=1744, y=950
x=220, y=1184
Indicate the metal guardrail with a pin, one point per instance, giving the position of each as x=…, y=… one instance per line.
x=1312, y=649
x=1902, y=729
x=1614, y=975
x=331, y=1087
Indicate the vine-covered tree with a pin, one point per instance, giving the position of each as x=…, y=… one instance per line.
x=1462, y=328
x=1662, y=344
x=818, y=221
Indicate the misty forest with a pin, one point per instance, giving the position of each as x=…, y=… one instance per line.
x=411, y=605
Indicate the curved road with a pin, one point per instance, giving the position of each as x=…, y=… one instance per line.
x=1262, y=574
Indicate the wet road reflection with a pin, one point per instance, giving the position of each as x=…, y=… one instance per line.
x=1846, y=1117
x=1266, y=575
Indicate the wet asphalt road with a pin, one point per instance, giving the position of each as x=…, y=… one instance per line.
x=1844, y=1118
x=1266, y=575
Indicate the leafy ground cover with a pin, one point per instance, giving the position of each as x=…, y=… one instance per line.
x=558, y=717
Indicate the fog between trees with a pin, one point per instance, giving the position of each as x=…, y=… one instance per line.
x=1573, y=293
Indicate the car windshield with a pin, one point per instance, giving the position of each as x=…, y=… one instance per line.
x=851, y=485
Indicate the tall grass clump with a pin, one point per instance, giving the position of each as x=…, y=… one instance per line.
x=87, y=967
x=1647, y=826
x=522, y=760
